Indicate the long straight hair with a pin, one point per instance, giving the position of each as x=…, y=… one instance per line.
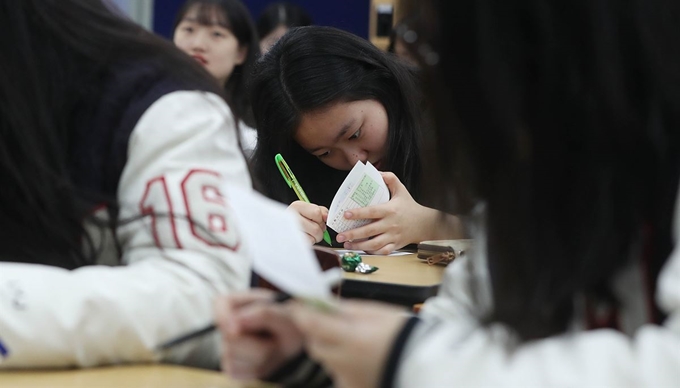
x=234, y=16
x=311, y=68
x=565, y=117
x=60, y=53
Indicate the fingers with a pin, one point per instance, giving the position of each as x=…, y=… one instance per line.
x=360, y=233
x=240, y=299
x=310, y=211
x=393, y=183
x=243, y=359
x=312, y=230
x=329, y=328
x=327, y=334
x=270, y=318
x=375, y=246
x=370, y=212
x=312, y=219
x=259, y=335
x=226, y=307
x=222, y=310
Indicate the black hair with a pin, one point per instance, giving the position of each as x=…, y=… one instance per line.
x=61, y=52
x=309, y=69
x=234, y=16
x=564, y=117
x=282, y=14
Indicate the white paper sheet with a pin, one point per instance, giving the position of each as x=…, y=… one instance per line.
x=281, y=254
x=363, y=187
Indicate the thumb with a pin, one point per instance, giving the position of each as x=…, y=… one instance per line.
x=393, y=183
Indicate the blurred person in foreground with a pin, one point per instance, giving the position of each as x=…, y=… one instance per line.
x=564, y=120
x=114, y=150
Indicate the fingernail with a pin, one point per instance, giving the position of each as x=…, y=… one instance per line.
x=341, y=238
x=348, y=214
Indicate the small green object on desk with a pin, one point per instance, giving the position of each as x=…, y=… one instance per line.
x=351, y=262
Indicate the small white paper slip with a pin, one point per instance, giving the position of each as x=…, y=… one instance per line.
x=364, y=186
x=272, y=237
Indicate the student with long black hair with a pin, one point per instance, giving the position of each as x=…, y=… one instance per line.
x=114, y=146
x=220, y=35
x=325, y=99
x=566, y=118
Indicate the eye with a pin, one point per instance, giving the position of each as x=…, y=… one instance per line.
x=188, y=29
x=355, y=135
x=323, y=155
x=218, y=34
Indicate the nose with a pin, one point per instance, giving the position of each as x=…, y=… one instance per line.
x=198, y=42
x=354, y=155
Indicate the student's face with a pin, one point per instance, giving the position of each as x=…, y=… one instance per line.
x=268, y=41
x=345, y=132
x=213, y=46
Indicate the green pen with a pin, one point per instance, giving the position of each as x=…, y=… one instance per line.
x=293, y=183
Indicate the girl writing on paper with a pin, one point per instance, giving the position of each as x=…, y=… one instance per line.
x=567, y=115
x=220, y=35
x=114, y=146
x=325, y=99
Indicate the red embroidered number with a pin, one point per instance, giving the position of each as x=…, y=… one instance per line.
x=205, y=207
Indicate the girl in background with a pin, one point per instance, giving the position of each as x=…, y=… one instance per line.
x=114, y=146
x=277, y=19
x=398, y=45
x=325, y=99
x=220, y=35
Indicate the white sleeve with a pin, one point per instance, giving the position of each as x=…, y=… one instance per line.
x=450, y=352
x=181, y=151
x=465, y=291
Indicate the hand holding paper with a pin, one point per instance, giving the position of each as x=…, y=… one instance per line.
x=397, y=223
x=364, y=186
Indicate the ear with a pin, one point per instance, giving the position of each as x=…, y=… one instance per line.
x=242, y=55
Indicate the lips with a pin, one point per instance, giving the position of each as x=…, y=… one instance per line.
x=377, y=164
x=200, y=59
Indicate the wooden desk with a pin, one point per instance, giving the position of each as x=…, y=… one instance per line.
x=403, y=280
x=137, y=376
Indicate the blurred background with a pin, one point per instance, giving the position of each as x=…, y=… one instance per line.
x=369, y=19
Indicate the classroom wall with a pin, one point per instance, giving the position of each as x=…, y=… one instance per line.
x=141, y=11
x=349, y=15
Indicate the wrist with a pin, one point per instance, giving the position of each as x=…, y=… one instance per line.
x=394, y=357
x=441, y=226
x=431, y=227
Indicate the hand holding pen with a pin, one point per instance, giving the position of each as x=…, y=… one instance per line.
x=257, y=333
x=257, y=337
x=313, y=216
x=276, y=298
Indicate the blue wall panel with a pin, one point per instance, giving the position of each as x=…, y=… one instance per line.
x=349, y=15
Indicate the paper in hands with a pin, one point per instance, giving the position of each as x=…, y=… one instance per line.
x=272, y=237
x=364, y=186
